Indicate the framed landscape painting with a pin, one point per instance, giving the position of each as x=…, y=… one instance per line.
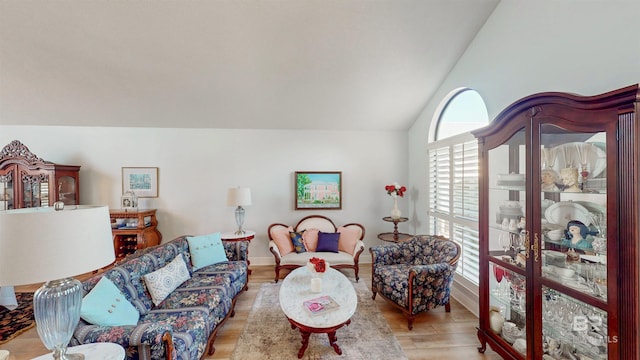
x=143, y=181
x=318, y=190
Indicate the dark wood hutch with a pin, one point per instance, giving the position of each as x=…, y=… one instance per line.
x=27, y=180
x=548, y=290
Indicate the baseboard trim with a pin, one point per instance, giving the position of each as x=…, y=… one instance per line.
x=467, y=295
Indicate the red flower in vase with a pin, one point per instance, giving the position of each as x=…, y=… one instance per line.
x=395, y=189
x=319, y=265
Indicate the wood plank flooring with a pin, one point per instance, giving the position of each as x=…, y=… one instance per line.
x=435, y=335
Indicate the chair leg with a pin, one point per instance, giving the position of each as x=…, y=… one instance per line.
x=374, y=295
x=447, y=307
x=410, y=322
x=277, y=274
x=356, y=269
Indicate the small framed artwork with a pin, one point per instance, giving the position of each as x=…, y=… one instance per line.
x=318, y=190
x=143, y=181
x=129, y=201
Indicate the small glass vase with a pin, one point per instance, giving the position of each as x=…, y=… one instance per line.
x=395, y=212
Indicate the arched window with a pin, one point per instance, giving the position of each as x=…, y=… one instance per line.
x=453, y=174
x=463, y=112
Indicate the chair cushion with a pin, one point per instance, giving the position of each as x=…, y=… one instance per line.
x=282, y=239
x=163, y=281
x=348, y=239
x=341, y=258
x=206, y=250
x=105, y=305
x=298, y=244
x=328, y=242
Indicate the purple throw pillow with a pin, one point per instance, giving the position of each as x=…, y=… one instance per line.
x=328, y=242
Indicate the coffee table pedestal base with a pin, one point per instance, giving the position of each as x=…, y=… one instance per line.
x=306, y=331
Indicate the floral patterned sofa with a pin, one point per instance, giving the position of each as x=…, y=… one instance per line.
x=415, y=275
x=184, y=325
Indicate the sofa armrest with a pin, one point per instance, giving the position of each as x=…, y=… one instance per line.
x=144, y=334
x=385, y=254
x=358, y=250
x=439, y=277
x=275, y=251
x=236, y=250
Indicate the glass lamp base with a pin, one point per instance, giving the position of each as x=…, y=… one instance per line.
x=239, y=220
x=56, y=309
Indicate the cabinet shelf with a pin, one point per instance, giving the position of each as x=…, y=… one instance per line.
x=141, y=234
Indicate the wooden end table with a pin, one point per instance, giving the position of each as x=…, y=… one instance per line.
x=394, y=236
x=247, y=236
x=296, y=288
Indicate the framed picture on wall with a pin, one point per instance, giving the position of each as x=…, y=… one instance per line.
x=143, y=181
x=318, y=190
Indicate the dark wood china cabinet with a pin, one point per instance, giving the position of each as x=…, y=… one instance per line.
x=29, y=181
x=559, y=227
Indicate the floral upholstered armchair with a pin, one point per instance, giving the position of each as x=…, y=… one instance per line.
x=415, y=275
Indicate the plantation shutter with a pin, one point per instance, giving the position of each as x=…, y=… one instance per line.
x=453, y=200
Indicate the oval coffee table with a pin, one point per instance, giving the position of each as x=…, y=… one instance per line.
x=296, y=288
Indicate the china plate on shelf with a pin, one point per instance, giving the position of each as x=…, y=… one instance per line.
x=571, y=154
x=564, y=211
x=593, y=207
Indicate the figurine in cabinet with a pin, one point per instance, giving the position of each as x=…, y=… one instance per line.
x=569, y=178
x=576, y=235
x=549, y=178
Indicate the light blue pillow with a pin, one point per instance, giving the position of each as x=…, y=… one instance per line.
x=105, y=305
x=206, y=250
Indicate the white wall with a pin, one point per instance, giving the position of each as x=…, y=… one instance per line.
x=526, y=47
x=197, y=166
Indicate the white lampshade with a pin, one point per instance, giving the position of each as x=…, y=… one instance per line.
x=41, y=244
x=240, y=196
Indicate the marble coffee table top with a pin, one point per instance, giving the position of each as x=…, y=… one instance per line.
x=296, y=288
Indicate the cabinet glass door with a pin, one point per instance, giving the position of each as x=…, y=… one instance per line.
x=573, y=224
x=67, y=190
x=6, y=189
x=35, y=190
x=508, y=241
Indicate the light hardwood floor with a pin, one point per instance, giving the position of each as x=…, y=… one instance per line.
x=435, y=335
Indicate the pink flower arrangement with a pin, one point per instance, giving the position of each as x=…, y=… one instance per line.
x=395, y=189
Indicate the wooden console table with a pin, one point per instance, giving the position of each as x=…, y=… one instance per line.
x=133, y=230
x=394, y=236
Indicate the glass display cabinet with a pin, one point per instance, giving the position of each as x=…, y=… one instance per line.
x=29, y=181
x=559, y=227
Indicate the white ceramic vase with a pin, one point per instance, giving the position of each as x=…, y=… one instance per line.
x=395, y=212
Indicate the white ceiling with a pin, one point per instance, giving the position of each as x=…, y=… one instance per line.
x=269, y=64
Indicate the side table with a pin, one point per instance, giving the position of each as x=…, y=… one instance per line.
x=93, y=351
x=394, y=236
x=247, y=236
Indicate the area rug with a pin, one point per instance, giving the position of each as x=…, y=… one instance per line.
x=268, y=335
x=15, y=322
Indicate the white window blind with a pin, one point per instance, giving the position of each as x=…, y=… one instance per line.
x=453, y=199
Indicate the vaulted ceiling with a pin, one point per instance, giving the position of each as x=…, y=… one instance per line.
x=246, y=64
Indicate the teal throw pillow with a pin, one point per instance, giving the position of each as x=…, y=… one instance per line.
x=298, y=244
x=206, y=250
x=105, y=305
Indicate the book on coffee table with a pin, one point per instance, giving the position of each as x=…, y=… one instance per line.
x=320, y=305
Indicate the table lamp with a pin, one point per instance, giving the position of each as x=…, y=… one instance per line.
x=240, y=196
x=52, y=244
